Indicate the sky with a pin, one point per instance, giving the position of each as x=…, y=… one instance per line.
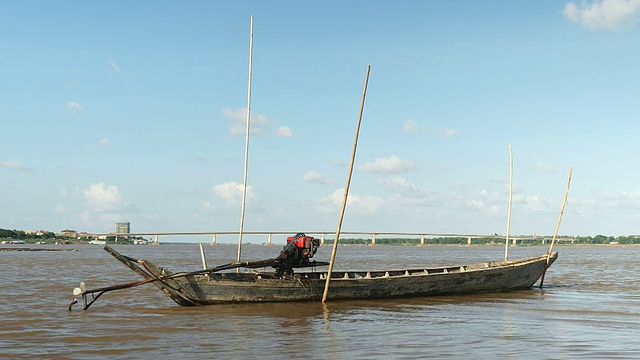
x=118, y=111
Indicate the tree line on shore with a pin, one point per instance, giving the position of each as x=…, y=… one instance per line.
x=494, y=240
x=50, y=237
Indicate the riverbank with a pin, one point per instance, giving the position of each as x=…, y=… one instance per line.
x=3, y=249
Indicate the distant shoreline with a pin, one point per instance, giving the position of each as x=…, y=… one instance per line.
x=4, y=249
x=28, y=246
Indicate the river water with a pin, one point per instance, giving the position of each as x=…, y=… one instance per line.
x=589, y=307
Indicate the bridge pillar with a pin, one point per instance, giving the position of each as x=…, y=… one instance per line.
x=421, y=240
x=373, y=239
x=469, y=241
x=155, y=240
x=269, y=240
x=213, y=240
x=322, y=240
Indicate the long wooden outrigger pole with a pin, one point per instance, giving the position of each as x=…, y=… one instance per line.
x=555, y=234
x=246, y=149
x=346, y=189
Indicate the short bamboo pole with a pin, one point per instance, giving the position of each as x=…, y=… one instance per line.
x=204, y=259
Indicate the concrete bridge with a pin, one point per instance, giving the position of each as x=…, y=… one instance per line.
x=268, y=235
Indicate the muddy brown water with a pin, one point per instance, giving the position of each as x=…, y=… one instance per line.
x=589, y=308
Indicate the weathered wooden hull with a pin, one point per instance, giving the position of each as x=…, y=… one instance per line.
x=229, y=287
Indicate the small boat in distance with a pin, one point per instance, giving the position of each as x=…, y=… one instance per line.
x=217, y=286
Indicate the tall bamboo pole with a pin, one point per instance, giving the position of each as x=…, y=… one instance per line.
x=246, y=149
x=555, y=234
x=346, y=189
x=506, y=240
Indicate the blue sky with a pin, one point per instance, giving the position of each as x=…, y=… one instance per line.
x=134, y=111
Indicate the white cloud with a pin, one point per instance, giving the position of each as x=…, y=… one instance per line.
x=364, y=204
x=316, y=177
x=12, y=164
x=603, y=14
x=530, y=203
x=74, y=106
x=208, y=207
x=482, y=200
x=239, y=122
x=115, y=66
x=91, y=218
x=235, y=114
x=547, y=168
x=407, y=193
x=284, y=131
x=359, y=204
x=387, y=165
x=104, y=198
x=231, y=192
x=411, y=126
x=61, y=209
x=497, y=179
x=451, y=132
x=621, y=199
x=104, y=142
x=398, y=184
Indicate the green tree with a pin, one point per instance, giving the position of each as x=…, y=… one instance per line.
x=600, y=239
x=6, y=234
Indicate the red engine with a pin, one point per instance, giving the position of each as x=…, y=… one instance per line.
x=308, y=244
x=299, y=249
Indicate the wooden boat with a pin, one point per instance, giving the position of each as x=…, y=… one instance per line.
x=213, y=286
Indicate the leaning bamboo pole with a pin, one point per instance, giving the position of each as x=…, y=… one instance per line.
x=346, y=189
x=555, y=234
x=506, y=240
x=203, y=257
x=246, y=149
